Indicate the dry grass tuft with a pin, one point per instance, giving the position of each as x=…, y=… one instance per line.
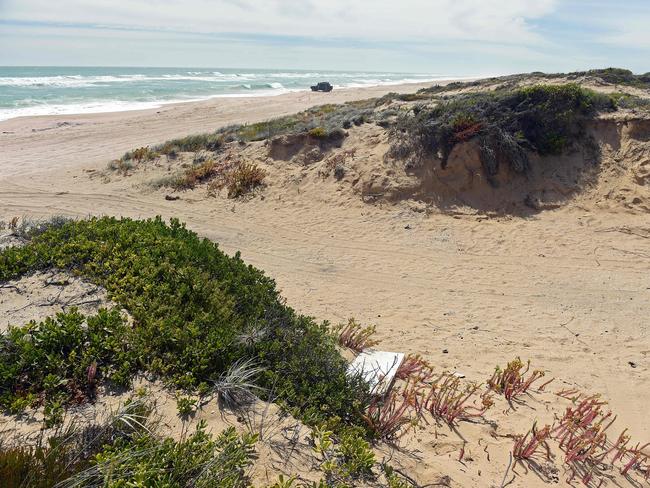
x=238, y=178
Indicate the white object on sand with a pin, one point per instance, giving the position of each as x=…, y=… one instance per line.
x=377, y=368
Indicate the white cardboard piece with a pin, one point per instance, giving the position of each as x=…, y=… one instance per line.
x=377, y=368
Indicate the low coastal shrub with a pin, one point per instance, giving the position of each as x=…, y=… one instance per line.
x=194, y=310
x=63, y=359
x=345, y=462
x=194, y=175
x=545, y=119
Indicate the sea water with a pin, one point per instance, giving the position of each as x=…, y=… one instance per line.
x=57, y=90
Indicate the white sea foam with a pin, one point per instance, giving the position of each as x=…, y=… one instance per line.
x=65, y=93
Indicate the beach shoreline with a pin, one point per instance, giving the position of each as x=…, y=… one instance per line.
x=93, y=139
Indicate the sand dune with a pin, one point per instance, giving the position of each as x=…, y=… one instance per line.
x=567, y=288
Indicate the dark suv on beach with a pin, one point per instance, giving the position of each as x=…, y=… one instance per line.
x=323, y=86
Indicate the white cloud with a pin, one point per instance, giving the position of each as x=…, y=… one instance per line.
x=502, y=21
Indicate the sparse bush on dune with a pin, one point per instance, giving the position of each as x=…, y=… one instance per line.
x=195, y=174
x=620, y=76
x=542, y=119
x=238, y=179
x=326, y=121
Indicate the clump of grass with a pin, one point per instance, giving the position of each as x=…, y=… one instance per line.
x=196, y=460
x=193, y=143
x=354, y=336
x=56, y=458
x=506, y=125
x=237, y=388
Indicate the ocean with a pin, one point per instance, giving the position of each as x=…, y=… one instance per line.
x=57, y=90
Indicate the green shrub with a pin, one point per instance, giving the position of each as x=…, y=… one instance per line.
x=545, y=119
x=192, y=306
x=318, y=133
x=63, y=359
x=185, y=406
x=345, y=459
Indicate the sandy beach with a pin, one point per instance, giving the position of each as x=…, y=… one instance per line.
x=566, y=288
x=68, y=141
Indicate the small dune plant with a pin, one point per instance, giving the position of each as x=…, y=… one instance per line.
x=243, y=179
x=185, y=406
x=512, y=381
x=529, y=446
x=354, y=336
x=415, y=368
x=345, y=459
x=238, y=177
x=390, y=416
x=581, y=434
x=448, y=400
x=195, y=174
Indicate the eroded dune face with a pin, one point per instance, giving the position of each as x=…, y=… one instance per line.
x=613, y=170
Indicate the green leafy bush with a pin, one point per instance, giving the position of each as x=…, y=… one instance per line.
x=345, y=459
x=62, y=359
x=185, y=406
x=192, y=308
x=545, y=119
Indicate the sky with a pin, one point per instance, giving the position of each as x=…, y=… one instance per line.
x=455, y=37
